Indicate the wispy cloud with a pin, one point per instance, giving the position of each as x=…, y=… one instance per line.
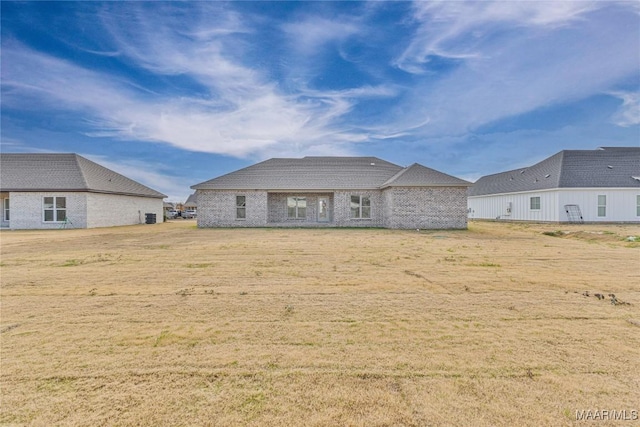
x=311, y=34
x=629, y=112
x=456, y=29
x=516, y=57
x=237, y=111
x=226, y=78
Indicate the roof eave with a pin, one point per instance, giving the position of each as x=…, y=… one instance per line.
x=78, y=190
x=428, y=185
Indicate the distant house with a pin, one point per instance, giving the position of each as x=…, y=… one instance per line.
x=41, y=191
x=600, y=185
x=191, y=202
x=333, y=192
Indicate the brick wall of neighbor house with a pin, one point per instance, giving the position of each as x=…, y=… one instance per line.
x=426, y=208
x=108, y=210
x=217, y=208
x=27, y=210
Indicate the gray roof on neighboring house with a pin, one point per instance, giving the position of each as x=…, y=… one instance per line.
x=65, y=172
x=326, y=173
x=192, y=201
x=608, y=167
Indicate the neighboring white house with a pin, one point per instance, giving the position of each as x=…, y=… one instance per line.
x=40, y=191
x=600, y=185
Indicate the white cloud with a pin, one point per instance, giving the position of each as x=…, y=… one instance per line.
x=519, y=57
x=237, y=110
x=308, y=36
x=512, y=58
x=629, y=112
x=246, y=119
x=453, y=29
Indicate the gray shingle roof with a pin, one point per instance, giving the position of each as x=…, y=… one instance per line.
x=609, y=167
x=65, y=172
x=417, y=175
x=192, y=201
x=321, y=173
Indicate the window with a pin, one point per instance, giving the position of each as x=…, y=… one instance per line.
x=534, y=203
x=602, y=205
x=5, y=209
x=296, y=207
x=55, y=209
x=241, y=207
x=360, y=207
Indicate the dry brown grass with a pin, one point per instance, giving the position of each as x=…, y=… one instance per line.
x=172, y=325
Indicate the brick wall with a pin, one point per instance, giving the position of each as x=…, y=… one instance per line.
x=278, y=212
x=218, y=208
x=83, y=209
x=342, y=210
x=426, y=208
x=27, y=210
x=396, y=207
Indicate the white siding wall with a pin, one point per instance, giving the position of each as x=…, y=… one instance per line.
x=27, y=210
x=621, y=205
x=495, y=206
x=108, y=210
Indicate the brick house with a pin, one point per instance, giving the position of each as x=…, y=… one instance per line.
x=333, y=192
x=43, y=191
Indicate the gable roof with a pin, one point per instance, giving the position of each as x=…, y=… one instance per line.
x=65, y=172
x=608, y=167
x=417, y=175
x=317, y=173
x=192, y=201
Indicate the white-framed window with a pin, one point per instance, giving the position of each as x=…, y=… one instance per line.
x=638, y=205
x=241, y=207
x=360, y=207
x=296, y=207
x=5, y=209
x=54, y=209
x=534, y=203
x=602, y=205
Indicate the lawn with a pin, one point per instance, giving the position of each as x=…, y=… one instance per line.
x=168, y=324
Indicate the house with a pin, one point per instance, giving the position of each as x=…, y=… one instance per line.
x=41, y=191
x=333, y=192
x=600, y=185
x=191, y=203
x=190, y=207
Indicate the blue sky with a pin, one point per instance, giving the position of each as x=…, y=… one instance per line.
x=175, y=93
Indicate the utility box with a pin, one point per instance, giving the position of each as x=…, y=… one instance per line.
x=507, y=211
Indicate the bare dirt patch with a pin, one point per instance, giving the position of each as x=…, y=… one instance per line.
x=173, y=325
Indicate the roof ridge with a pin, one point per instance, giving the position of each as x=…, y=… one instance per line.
x=81, y=169
x=561, y=173
x=396, y=176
